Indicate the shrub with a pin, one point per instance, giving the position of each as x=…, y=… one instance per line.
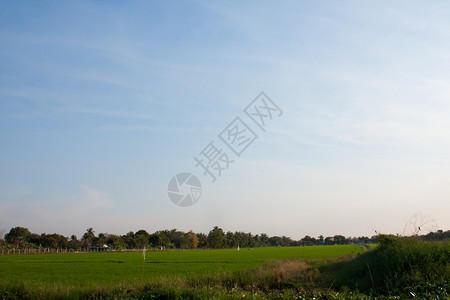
x=398, y=263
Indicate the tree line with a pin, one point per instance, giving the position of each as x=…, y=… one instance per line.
x=20, y=237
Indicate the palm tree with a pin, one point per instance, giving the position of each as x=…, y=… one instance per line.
x=88, y=236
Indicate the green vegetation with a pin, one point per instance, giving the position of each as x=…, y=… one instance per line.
x=115, y=268
x=397, y=265
x=20, y=238
x=397, y=268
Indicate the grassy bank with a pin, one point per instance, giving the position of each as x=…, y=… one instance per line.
x=398, y=266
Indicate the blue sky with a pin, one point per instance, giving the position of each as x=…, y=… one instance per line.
x=101, y=103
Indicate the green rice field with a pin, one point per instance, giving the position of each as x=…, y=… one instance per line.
x=110, y=269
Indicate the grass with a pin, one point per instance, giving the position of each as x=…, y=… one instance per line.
x=126, y=267
x=76, y=272
x=398, y=267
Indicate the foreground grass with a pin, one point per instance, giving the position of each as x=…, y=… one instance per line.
x=398, y=268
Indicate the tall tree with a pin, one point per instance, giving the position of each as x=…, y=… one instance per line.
x=191, y=240
x=17, y=235
x=216, y=238
x=74, y=243
x=202, y=240
x=264, y=239
x=88, y=237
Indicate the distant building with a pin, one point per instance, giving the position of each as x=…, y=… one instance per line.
x=100, y=248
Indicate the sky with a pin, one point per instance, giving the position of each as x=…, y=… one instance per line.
x=102, y=103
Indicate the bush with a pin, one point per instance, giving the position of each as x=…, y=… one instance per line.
x=397, y=265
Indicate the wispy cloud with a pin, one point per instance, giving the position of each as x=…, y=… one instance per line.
x=364, y=88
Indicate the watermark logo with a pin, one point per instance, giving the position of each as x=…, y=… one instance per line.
x=185, y=189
